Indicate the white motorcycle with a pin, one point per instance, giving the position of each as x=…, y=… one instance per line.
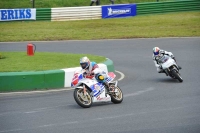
x=170, y=67
x=88, y=90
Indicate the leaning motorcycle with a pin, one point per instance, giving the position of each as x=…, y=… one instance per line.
x=170, y=67
x=88, y=91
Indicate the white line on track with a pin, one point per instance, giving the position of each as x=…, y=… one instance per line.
x=52, y=108
x=139, y=92
x=34, y=92
x=37, y=110
x=54, y=90
x=45, y=109
x=52, y=125
x=122, y=75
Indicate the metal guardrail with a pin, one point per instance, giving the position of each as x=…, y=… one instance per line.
x=164, y=7
x=4, y=4
x=95, y=12
x=75, y=13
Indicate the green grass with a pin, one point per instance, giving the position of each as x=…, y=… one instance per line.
x=61, y=3
x=19, y=61
x=182, y=24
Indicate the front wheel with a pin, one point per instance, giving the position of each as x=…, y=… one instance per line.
x=84, y=101
x=117, y=95
x=177, y=76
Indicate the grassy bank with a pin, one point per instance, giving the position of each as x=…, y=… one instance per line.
x=19, y=61
x=61, y=3
x=183, y=24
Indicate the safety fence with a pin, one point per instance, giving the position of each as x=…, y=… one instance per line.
x=170, y=6
x=80, y=13
x=97, y=12
x=8, y=4
x=43, y=14
x=75, y=13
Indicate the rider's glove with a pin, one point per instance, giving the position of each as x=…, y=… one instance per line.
x=92, y=74
x=172, y=57
x=84, y=74
x=88, y=75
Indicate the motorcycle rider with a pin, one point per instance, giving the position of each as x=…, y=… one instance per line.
x=91, y=69
x=157, y=54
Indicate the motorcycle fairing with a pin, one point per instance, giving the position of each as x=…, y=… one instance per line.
x=77, y=77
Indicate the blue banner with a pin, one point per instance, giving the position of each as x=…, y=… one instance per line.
x=118, y=11
x=17, y=14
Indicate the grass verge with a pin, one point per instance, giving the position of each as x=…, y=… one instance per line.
x=19, y=61
x=182, y=24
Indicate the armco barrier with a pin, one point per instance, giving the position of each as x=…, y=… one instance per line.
x=76, y=13
x=171, y=6
x=43, y=14
x=98, y=12
x=21, y=81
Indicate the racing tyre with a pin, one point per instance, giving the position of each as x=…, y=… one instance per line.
x=177, y=76
x=84, y=101
x=117, y=96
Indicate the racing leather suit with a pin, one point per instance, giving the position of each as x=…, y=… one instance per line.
x=93, y=70
x=155, y=59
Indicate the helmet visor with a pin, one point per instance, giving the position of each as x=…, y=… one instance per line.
x=83, y=65
x=156, y=53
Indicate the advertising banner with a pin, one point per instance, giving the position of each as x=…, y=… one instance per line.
x=17, y=14
x=117, y=11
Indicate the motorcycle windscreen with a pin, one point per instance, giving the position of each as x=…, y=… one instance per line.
x=168, y=64
x=163, y=59
x=110, y=77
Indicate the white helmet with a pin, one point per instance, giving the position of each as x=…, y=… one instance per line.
x=156, y=51
x=84, y=62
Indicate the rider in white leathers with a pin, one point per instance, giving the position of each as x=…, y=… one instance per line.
x=157, y=53
x=91, y=69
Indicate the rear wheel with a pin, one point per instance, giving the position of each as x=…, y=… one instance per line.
x=177, y=76
x=84, y=101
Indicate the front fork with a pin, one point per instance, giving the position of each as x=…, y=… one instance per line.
x=84, y=90
x=168, y=72
x=111, y=88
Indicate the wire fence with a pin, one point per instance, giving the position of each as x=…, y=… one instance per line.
x=62, y=3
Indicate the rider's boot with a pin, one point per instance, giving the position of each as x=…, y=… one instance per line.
x=166, y=74
x=162, y=71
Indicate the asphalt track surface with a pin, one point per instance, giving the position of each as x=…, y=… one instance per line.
x=153, y=103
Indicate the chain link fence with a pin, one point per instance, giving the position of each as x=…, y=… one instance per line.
x=62, y=3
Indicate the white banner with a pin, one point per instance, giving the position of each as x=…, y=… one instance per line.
x=17, y=14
